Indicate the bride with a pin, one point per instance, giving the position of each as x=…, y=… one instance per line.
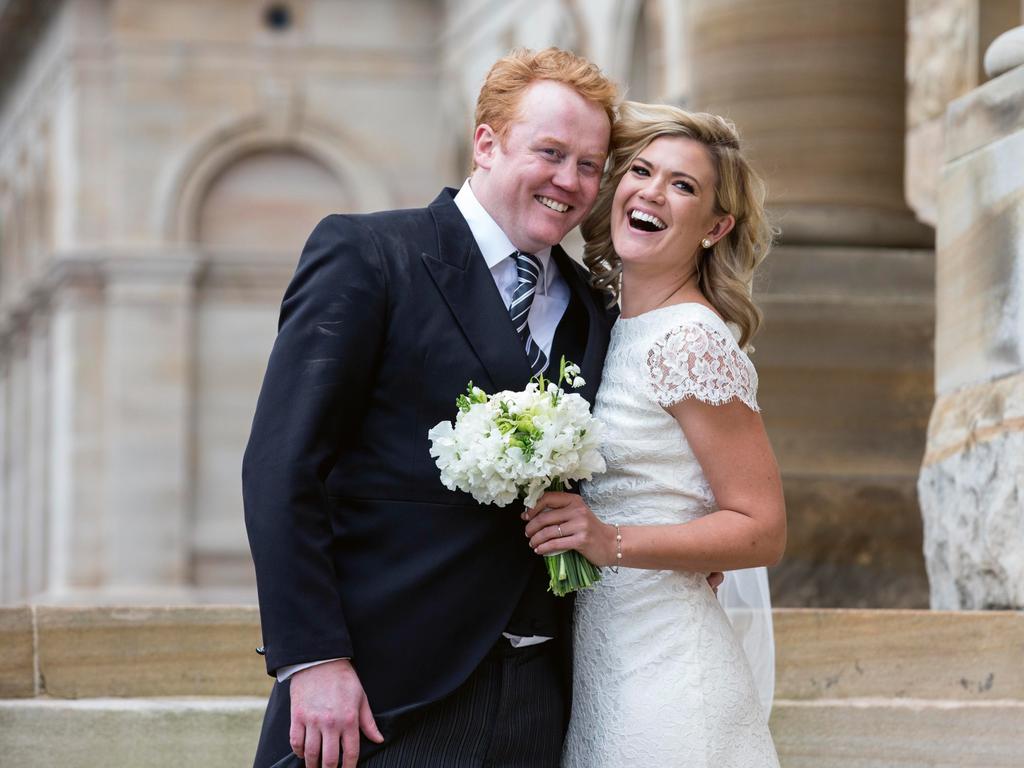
x=660, y=677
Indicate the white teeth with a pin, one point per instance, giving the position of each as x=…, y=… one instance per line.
x=649, y=218
x=554, y=205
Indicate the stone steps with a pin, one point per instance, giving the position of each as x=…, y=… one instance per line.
x=166, y=686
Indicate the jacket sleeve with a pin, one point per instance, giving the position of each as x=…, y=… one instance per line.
x=317, y=383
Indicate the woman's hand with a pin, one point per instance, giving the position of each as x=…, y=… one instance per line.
x=562, y=521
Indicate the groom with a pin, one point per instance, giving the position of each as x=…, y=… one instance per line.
x=390, y=606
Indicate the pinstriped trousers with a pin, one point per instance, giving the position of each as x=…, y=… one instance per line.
x=509, y=713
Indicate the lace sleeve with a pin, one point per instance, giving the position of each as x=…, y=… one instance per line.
x=699, y=361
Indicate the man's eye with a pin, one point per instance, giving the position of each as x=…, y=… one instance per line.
x=551, y=152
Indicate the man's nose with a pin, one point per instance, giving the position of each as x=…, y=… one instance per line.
x=568, y=177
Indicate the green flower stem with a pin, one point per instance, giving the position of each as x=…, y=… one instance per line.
x=569, y=571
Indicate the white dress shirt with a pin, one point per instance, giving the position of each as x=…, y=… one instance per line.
x=550, y=301
x=551, y=298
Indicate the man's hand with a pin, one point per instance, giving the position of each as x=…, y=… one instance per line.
x=329, y=707
x=715, y=579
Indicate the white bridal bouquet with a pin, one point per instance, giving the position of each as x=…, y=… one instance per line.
x=517, y=445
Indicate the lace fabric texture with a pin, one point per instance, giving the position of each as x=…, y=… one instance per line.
x=660, y=677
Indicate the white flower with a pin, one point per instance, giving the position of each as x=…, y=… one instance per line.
x=512, y=445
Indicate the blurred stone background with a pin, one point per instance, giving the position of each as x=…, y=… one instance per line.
x=161, y=163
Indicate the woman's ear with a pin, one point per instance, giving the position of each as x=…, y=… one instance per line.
x=723, y=227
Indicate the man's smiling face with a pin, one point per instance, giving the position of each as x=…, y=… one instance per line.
x=542, y=178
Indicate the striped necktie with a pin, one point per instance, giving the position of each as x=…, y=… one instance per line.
x=528, y=271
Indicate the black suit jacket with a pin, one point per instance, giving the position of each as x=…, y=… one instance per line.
x=359, y=549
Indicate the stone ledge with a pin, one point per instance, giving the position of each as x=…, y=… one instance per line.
x=898, y=733
x=130, y=732
x=170, y=651
x=986, y=114
x=901, y=654
x=17, y=665
x=90, y=652
x=826, y=733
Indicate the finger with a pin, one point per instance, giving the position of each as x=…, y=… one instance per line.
x=551, y=500
x=331, y=750
x=552, y=535
x=545, y=519
x=297, y=737
x=312, y=747
x=350, y=745
x=367, y=723
x=548, y=532
x=559, y=545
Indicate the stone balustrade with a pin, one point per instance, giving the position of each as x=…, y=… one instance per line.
x=170, y=686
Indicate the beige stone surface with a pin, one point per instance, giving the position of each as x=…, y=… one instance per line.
x=17, y=664
x=971, y=481
x=817, y=91
x=845, y=368
x=984, y=115
x=970, y=489
x=879, y=733
x=946, y=40
x=980, y=264
x=150, y=652
x=870, y=689
x=130, y=732
x=965, y=657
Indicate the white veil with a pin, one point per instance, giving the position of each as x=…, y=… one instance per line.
x=744, y=596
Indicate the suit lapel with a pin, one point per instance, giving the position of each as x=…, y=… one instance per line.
x=461, y=275
x=598, y=325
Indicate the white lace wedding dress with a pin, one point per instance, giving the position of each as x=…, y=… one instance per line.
x=660, y=678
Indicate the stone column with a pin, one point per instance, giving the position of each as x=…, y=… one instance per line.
x=79, y=507
x=972, y=478
x=37, y=458
x=15, y=488
x=5, y=439
x=121, y=403
x=149, y=380
x=816, y=89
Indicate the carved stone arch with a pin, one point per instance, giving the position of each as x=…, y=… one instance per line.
x=187, y=186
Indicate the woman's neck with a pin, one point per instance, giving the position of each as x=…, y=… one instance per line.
x=642, y=293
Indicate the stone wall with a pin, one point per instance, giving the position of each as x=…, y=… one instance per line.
x=161, y=164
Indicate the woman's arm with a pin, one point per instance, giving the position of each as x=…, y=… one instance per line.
x=748, y=529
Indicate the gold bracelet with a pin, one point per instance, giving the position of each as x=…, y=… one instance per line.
x=618, y=549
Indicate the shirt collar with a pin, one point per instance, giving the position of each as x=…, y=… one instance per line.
x=493, y=243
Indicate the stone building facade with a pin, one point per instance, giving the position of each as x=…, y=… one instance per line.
x=162, y=162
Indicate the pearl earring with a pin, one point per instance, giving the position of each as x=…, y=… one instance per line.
x=706, y=242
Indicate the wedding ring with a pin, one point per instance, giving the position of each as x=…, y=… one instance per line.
x=559, y=531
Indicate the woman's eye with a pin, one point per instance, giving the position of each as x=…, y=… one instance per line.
x=685, y=186
x=639, y=170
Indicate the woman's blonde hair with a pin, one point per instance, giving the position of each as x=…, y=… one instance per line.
x=725, y=271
